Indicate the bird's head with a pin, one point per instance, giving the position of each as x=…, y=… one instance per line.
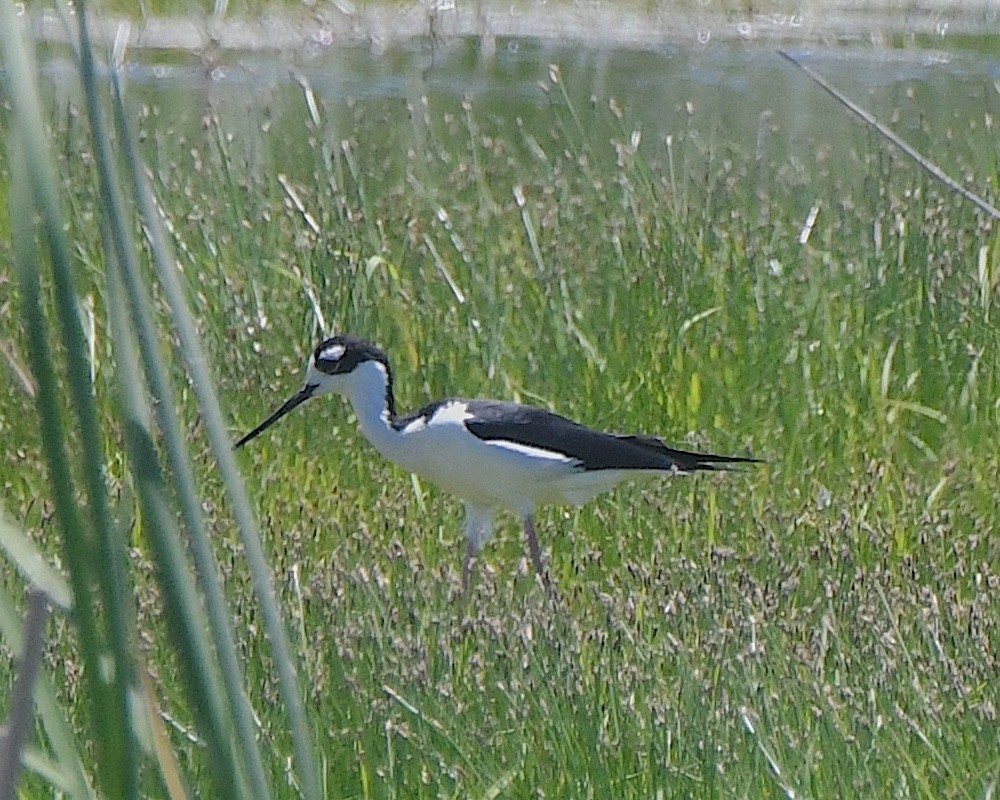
x=346, y=365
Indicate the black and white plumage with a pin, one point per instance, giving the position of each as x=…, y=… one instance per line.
x=492, y=455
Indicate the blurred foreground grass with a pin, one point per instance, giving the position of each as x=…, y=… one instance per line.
x=825, y=625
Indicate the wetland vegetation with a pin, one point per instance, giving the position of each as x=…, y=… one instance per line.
x=697, y=261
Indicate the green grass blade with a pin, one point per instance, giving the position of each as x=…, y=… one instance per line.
x=65, y=774
x=181, y=607
x=33, y=566
x=34, y=184
x=220, y=440
x=190, y=503
x=109, y=555
x=22, y=701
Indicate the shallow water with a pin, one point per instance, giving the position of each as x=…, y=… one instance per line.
x=938, y=91
x=714, y=82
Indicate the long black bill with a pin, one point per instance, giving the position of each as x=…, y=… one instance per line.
x=290, y=403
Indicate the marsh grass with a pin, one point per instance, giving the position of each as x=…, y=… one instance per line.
x=824, y=625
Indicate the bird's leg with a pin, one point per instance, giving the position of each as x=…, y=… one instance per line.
x=536, y=552
x=478, y=529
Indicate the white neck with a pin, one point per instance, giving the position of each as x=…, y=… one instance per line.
x=368, y=395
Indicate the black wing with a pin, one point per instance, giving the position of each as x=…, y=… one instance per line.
x=594, y=450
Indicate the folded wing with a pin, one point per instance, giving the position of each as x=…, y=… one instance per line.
x=592, y=450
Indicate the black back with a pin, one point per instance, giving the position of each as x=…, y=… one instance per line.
x=594, y=450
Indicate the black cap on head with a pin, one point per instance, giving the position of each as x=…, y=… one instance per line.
x=341, y=354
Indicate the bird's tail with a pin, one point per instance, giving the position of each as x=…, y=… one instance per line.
x=685, y=460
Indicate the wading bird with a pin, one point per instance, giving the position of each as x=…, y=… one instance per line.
x=490, y=454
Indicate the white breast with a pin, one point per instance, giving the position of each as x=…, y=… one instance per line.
x=491, y=473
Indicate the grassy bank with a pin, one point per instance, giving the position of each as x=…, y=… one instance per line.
x=824, y=625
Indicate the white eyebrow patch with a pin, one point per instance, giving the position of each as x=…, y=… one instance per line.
x=332, y=353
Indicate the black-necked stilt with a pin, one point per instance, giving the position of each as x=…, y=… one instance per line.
x=492, y=455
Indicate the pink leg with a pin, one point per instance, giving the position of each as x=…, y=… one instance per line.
x=536, y=553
